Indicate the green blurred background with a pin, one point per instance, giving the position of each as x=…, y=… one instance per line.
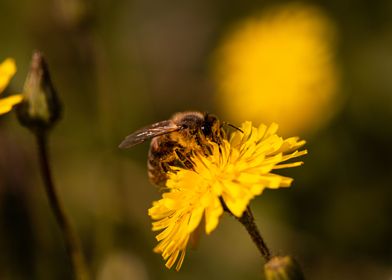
x=120, y=65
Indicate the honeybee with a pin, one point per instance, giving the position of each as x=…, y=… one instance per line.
x=174, y=141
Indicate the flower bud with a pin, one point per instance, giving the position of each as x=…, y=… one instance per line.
x=41, y=107
x=283, y=268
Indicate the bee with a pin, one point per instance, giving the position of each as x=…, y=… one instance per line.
x=174, y=141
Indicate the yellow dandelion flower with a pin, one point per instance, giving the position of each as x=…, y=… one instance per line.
x=237, y=170
x=280, y=66
x=7, y=71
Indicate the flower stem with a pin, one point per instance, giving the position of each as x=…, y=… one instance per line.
x=70, y=238
x=248, y=221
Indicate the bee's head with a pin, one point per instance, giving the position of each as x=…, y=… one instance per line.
x=210, y=127
x=195, y=123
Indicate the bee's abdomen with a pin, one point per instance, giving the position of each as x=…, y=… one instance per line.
x=155, y=173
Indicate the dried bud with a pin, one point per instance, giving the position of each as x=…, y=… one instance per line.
x=283, y=268
x=41, y=107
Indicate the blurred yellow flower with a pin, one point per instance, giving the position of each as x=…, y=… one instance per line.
x=236, y=171
x=279, y=67
x=7, y=71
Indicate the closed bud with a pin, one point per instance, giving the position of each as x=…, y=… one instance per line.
x=283, y=268
x=41, y=107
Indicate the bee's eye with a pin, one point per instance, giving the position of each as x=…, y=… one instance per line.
x=206, y=129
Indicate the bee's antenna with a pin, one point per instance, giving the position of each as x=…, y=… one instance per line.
x=233, y=126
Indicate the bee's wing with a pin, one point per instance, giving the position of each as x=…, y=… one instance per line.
x=148, y=132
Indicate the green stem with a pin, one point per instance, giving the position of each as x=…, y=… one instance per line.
x=248, y=221
x=70, y=238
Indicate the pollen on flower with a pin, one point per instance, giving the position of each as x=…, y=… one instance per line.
x=236, y=171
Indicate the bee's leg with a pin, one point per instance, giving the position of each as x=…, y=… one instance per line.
x=183, y=159
x=177, y=158
x=166, y=161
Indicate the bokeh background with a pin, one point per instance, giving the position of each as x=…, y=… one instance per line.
x=321, y=69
